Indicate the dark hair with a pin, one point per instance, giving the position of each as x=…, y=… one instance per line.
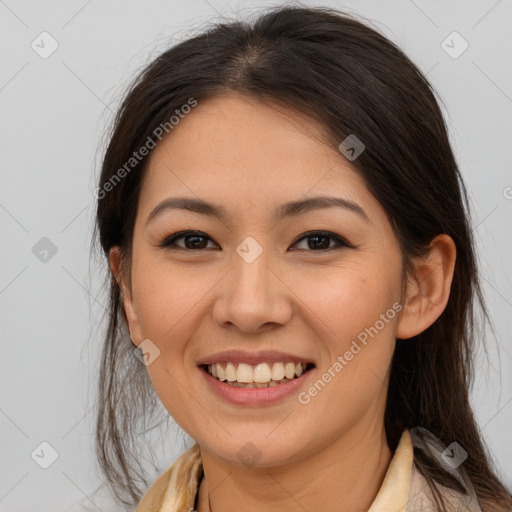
x=352, y=80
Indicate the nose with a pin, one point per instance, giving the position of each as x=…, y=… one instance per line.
x=253, y=297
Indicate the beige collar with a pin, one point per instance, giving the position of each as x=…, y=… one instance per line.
x=176, y=489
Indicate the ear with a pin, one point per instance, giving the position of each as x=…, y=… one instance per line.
x=428, y=290
x=128, y=305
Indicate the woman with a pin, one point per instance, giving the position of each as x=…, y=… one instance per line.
x=290, y=252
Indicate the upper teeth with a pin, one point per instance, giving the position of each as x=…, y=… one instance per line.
x=258, y=373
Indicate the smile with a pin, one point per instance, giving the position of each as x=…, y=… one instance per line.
x=261, y=375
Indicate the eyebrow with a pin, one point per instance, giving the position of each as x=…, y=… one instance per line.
x=291, y=209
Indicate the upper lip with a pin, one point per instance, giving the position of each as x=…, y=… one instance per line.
x=253, y=358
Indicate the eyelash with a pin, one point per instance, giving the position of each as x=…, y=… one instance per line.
x=169, y=241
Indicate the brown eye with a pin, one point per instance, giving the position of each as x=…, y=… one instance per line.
x=193, y=240
x=320, y=241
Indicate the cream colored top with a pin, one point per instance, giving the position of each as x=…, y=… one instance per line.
x=404, y=489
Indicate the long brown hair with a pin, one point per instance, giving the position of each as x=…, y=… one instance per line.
x=352, y=80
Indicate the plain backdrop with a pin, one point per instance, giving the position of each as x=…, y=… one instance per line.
x=55, y=109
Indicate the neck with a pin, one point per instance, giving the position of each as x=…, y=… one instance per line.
x=344, y=475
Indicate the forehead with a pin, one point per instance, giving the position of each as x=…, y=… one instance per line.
x=235, y=150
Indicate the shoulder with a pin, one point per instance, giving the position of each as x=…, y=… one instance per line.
x=176, y=488
x=421, y=495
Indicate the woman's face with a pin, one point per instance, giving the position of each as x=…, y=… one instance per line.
x=253, y=282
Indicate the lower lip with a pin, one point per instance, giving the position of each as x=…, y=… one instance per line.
x=255, y=396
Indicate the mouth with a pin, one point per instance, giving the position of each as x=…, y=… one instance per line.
x=262, y=375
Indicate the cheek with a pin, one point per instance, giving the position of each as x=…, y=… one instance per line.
x=167, y=299
x=356, y=368
x=170, y=302
x=357, y=326
x=347, y=300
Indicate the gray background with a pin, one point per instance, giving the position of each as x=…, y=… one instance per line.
x=54, y=112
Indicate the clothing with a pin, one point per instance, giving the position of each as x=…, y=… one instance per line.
x=404, y=489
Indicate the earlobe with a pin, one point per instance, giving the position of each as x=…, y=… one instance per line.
x=428, y=290
x=128, y=307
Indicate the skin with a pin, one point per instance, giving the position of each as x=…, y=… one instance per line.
x=330, y=454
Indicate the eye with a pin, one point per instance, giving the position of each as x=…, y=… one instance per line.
x=319, y=241
x=196, y=240
x=193, y=240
